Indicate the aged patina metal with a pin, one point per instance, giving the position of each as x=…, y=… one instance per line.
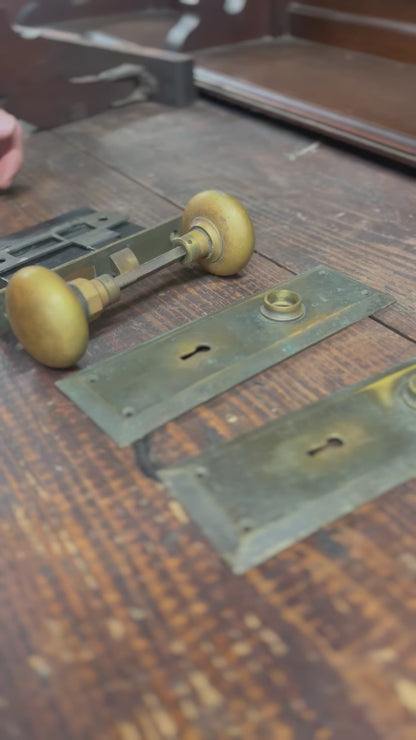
x=270, y=488
x=62, y=240
x=133, y=393
x=80, y=244
x=216, y=233
x=124, y=260
x=282, y=305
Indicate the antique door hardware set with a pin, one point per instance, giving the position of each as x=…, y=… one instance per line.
x=79, y=243
x=269, y=488
x=50, y=316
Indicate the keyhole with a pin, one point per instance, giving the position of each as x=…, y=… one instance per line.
x=329, y=444
x=196, y=351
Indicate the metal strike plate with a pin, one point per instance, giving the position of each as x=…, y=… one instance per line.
x=133, y=393
x=270, y=488
x=80, y=244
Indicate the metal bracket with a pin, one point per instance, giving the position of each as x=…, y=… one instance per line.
x=270, y=488
x=82, y=243
x=133, y=393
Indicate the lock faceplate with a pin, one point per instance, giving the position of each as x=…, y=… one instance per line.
x=60, y=240
x=133, y=393
x=270, y=488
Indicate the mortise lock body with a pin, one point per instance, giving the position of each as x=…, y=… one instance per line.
x=50, y=316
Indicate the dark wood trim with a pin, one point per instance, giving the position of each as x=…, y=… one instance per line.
x=387, y=37
x=323, y=121
x=50, y=11
x=60, y=82
x=280, y=17
x=395, y=10
x=320, y=88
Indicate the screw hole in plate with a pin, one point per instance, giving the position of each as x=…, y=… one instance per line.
x=246, y=525
x=128, y=411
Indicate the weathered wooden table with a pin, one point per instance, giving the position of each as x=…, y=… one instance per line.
x=118, y=620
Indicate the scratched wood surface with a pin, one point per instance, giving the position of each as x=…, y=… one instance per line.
x=118, y=620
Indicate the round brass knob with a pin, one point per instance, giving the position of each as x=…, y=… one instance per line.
x=229, y=229
x=46, y=317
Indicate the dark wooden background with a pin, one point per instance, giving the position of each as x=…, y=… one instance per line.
x=118, y=621
x=330, y=64
x=50, y=11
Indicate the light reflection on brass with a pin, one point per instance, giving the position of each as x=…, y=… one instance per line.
x=283, y=305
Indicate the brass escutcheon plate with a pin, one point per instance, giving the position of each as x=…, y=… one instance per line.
x=135, y=392
x=264, y=491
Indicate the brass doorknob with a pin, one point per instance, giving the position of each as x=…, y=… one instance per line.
x=47, y=317
x=226, y=222
x=50, y=316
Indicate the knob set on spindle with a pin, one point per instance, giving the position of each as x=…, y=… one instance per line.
x=50, y=316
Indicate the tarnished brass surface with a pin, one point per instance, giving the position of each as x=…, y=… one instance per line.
x=50, y=316
x=266, y=490
x=229, y=228
x=283, y=305
x=195, y=243
x=409, y=391
x=145, y=245
x=96, y=294
x=135, y=392
x=93, y=297
x=124, y=260
x=55, y=331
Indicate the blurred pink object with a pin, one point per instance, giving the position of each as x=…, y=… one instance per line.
x=11, y=148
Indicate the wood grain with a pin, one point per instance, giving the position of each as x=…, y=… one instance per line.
x=119, y=621
x=311, y=202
